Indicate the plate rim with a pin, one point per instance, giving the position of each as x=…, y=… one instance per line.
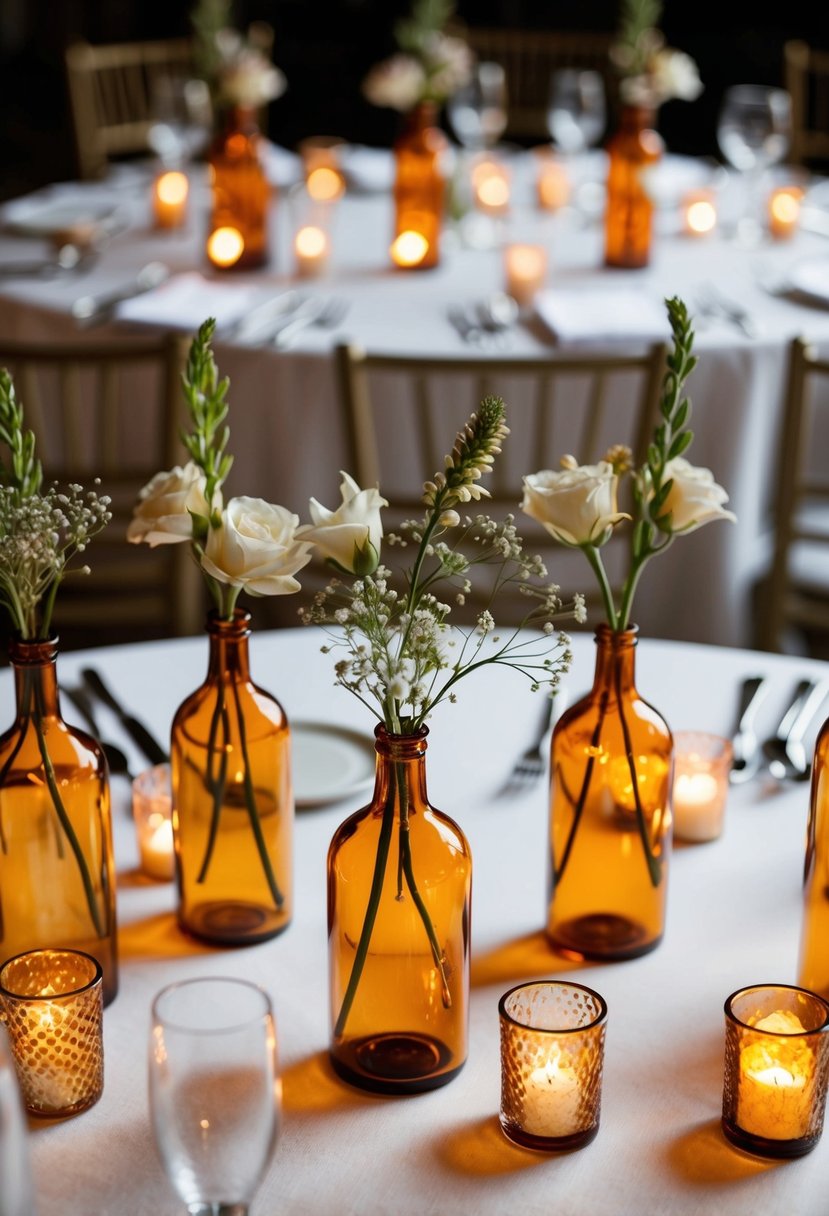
x=358, y=737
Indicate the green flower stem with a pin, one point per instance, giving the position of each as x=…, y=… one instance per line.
x=637, y=566
x=578, y=810
x=253, y=810
x=48, y=608
x=380, y=862
x=217, y=788
x=653, y=863
x=65, y=822
x=593, y=556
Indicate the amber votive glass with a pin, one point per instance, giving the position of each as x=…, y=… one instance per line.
x=152, y=810
x=552, y=1054
x=776, y=1069
x=702, y=764
x=53, y=1006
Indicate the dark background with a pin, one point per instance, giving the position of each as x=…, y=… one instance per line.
x=325, y=48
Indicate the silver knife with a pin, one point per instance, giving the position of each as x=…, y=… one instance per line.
x=88, y=310
x=263, y=320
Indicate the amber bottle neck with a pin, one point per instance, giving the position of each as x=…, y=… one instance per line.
x=228, y=658
x=35, y=676
x=401, y=768
x=634, y=118
x=615, y=659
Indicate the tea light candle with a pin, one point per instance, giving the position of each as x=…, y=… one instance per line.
x=699, y=211
x=525, y=271
x=784, y=212
x=225, y=246
x=170, y=191
x=409, y=249
x=701, y=766
x=53, y=1006
x=311, y=249
x=775, y=1081
x=325, y=184
x=553, y=188
x=152, y=812
x=491, y=188
x=552, y=1099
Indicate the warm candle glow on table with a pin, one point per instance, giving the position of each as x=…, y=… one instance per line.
x=170, y=191
x=702, y=764
x=699, y=212
x=553, y=186
x=152, y=810
x=775, y=1081
x=784, y=211
x=225, y=246
x=311, y=249
x=325, y=184
x=491, y=187
x=52, y=1003
x=409, y=249
x=552, y=1099
x=525, y=269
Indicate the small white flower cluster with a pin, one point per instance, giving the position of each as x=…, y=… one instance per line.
x=429, y=66
x=651, y=72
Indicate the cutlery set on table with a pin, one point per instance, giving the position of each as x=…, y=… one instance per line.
x=782, y=755
x=94, y=690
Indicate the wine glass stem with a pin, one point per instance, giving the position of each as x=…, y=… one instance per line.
x=218, y=1209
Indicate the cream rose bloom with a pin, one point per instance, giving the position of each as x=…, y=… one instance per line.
x=675, y=74
x=351, y=535
x=162, y=514
x=398, y=82
x=695, y=498
x=256, y=548
x=578, y=505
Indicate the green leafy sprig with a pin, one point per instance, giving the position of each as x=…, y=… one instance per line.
x=206, y=397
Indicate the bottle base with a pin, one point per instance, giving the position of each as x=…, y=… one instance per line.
x=232, y=923
x=395, y=1063
x=602, y=936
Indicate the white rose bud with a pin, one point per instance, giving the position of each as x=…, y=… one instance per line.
x=578, y=505
x=350, y=537
x=695, y=498
x=162, y=514
x=256, y=548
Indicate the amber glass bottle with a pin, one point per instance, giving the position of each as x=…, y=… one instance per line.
x=238, y=237
x=419, y=189
x=57, y=874
x=233, y=804
x=633, y=152
x=814, y=942
x=399, y=880
x=611, y=766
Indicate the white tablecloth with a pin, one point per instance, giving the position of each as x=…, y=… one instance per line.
x=288, y=437
x=734, y=913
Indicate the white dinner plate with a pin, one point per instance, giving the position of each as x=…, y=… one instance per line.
x=329, y=762
x=811, y=278
x=47, y=217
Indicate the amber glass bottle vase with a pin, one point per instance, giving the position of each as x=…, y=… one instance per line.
x=419, y=189
x=610, y=818
x=814, y=941
x=57, y=874
x=233, y=805
x=238, y=236
x=633, y=152
x=399, y=880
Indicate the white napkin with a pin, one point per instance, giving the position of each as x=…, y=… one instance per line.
x=282, y=168
x=367, y=169
x=185, y=300
x=602, y=314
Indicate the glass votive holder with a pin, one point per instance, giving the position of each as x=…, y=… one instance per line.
x=53, y=1007
x=702, y=764
x=152, y=808
x=525, y=269
x=552, y=183
x=699, y=212
x=776, y=1069
x=784, y=205
x=552, y=1054
x=169, y=199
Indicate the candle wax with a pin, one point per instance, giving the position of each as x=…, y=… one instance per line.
x=776, y=1082
x=552, y=1099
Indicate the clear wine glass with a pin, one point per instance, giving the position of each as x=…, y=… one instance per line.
x=753, y=133
x=215, y=1093
x=180, y=119
x=576, y=109
x=478, y=110
x=16, y=1198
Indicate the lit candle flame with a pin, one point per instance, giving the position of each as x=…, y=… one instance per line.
x=409, y=249
x=225, y=246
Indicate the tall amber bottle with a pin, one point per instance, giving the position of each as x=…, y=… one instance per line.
x=233, y=804
x=610, y=817
x=419, y=189
x=633, y=152
x=399, y=883
x=814, y=941
x=57, y=873
x=238, y=238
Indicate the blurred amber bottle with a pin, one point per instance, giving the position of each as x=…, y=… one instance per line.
x=399, y=880
x=814, y=942
x=419, y=190
x=238, y=237
x=57, y=873
x=233, y=804
x=610, y=818
x=632, y=153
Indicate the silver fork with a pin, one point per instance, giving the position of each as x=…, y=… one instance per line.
x=712, y=303
x=324, y=312
x=533, y=764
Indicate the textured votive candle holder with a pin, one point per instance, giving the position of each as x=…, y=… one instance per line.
x=776, y=1069
x=552, y=1054
x=152, y=807
x=53, y=1006
x=702, y=764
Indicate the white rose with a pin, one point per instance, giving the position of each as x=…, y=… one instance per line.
x=397, y=82
x=675, y=75
x=256, y=548
x=578, y=505
x=695, y=498
x=162, y=514
x=352, y=534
